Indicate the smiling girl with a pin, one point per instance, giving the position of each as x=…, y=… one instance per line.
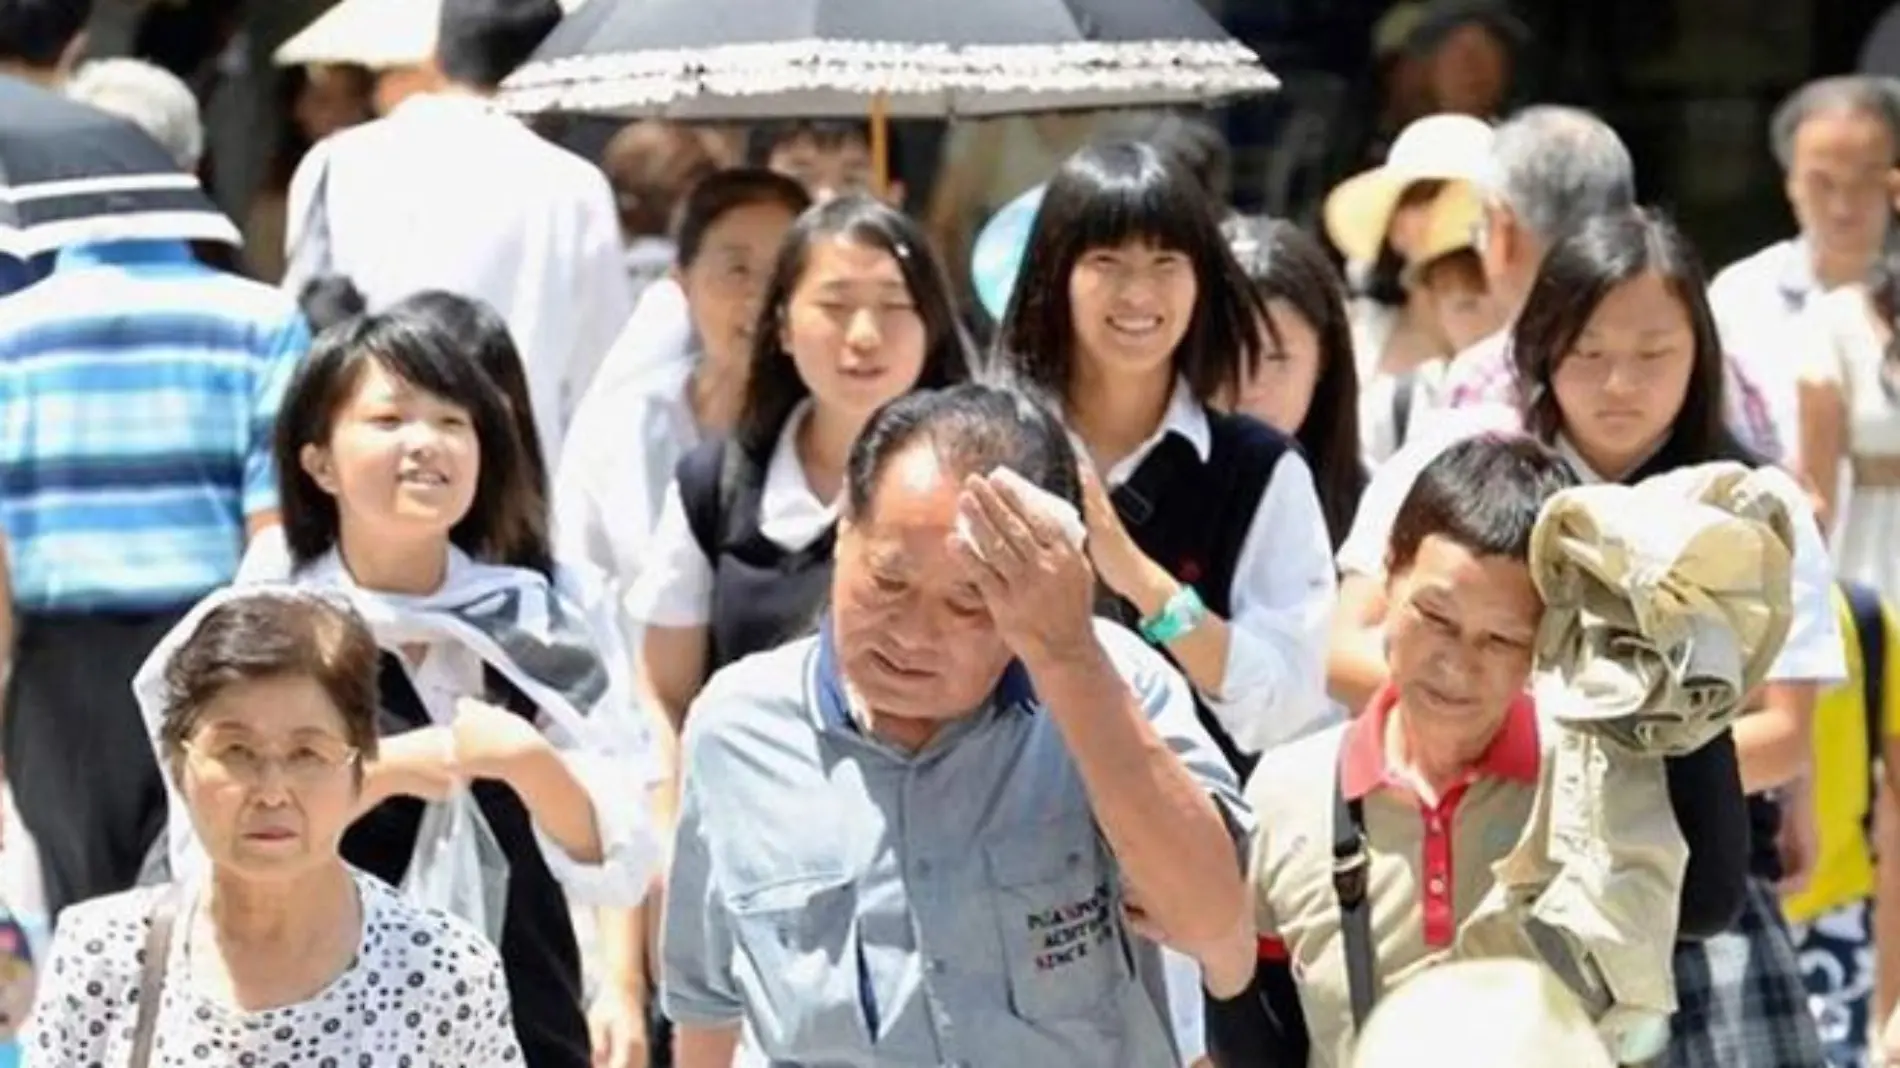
x=1132, y=314
x=406, y=489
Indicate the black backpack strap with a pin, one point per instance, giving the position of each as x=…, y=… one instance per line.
x=708, y=477
x=1352, y=869
x=1870, y=633
x=1404, y=389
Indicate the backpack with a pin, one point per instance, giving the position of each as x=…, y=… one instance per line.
x=1870, y=633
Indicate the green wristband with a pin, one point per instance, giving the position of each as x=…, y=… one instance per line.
x=1183, y=612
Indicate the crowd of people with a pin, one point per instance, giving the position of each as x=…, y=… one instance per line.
x=672, y=620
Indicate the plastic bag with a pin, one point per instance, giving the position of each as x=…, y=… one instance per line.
x=458, y=865
x=18, y=977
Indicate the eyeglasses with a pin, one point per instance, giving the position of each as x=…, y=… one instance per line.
x=311, y=762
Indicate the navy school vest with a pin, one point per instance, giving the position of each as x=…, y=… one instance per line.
x=1192, y=518
x=762, y=594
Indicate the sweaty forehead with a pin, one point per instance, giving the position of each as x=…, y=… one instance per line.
x=915, y=486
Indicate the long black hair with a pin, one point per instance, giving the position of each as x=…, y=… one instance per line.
x=506, y=523
x=1286, y=264
x=774, y=387
x=1107, y=196
x=1582, y=269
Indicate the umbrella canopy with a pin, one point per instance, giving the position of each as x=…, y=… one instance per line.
x=378, y=34
x=71, y=174
x=744, y=59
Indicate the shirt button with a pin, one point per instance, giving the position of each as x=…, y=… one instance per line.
x=923, y=867
x=1437, y=886
x=1435, y=826
x=937, y=966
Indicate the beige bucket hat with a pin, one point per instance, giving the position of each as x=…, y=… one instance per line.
x=1455, y=148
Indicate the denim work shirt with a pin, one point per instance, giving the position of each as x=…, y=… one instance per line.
x=853, y=904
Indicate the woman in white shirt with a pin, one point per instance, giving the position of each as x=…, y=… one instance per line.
x=631, y=431
x=280, y=953
x=404, y=489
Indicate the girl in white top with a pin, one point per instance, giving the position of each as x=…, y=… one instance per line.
x=1849, y=391
x=630, y=432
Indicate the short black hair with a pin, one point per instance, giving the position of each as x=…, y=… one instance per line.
x=329, y=299
x=729, y=190
x=1106, y=196
x=273, y=633
x=774, y=388
x=767, y=137
x=479, y=331
x=1483, y=494
x=507, y=521
x=481, y=42
x=37, y=33
x=1852, y=94
x=974, y=429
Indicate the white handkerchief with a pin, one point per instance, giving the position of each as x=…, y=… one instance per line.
x=1052, y=507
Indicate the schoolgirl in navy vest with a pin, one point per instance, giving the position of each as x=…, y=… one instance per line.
x=1131, y=312
x=857, y=313
x=402, y=471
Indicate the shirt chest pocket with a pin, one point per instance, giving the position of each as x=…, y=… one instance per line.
x=799, y=962
x=1059, y=916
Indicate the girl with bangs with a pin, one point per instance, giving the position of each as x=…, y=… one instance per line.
x=1133, y=316
x=408, y=490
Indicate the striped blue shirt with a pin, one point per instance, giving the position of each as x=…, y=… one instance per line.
x=138, y=393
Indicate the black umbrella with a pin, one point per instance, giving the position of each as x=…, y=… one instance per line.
x=71, y=174
x=750, y=59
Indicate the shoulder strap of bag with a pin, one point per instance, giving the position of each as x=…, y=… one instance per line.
x=1351, y=869
x=158, y=942
x=706, y=481
x=1403, y=391
x=1870, y=634
x=312, y=256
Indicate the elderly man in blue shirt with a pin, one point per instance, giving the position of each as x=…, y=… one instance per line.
x=920, y=836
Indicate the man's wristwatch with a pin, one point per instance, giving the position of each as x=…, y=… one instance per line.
x=1183, y=612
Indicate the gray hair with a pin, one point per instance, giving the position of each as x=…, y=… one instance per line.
x=1557, y=167
x=150, y=97
x=1851, y=94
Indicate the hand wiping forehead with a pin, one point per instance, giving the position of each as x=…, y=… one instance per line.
x=1050, y=507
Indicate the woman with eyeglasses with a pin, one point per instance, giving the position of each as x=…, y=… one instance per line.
x=279, y=952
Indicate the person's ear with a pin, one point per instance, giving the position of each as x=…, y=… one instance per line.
x=894, y=193
x=316, y=462
x=1893, y=187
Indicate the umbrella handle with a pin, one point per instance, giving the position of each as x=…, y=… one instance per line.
x=880, y=147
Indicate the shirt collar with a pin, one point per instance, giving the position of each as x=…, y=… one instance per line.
x=1013, y=690
x=124, y=254
x=1184, y=416
x=1514, y=754
x=1794, y=274
x=790, y=514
